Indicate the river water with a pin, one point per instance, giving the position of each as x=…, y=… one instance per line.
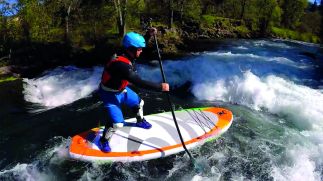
x=273, y=87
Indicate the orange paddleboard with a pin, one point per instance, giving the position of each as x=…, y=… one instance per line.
x=131, y=143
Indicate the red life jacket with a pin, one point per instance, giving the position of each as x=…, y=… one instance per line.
x=106, y=77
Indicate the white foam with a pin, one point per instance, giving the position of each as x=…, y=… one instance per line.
x=262, y=43
x=300, y=103
x=217, y=76
x=214, y=79
x=231, y=55
x=28, y=172
x=93, y=173
x=65, y=85
x=303, y=165
x=300, y=42
x=254, y=57
x=40, y=168
x=62, y=86
x=242, y=48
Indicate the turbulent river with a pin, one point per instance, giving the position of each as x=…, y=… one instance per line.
x=273, y=87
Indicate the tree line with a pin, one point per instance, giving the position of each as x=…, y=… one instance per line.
x=90, y=22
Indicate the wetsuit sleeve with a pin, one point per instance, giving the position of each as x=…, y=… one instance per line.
x=135, y=79
x=124, y=71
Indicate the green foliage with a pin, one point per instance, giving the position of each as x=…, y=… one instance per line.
x=35, y=17
x=87, y=23
x=231, y=9
x=267, y=13
x=9, y=27
x=290, y=34
x=279, y=32
x=311, y=23
x=135, y=12
x=55, y=34
x=285, y=33
x=133, y=23
x=169, y=40
x=6, y=79
x=293, y=10
x=315, y=39
x=224, y=23
x=172, y=36
x=208, y=20
x=242, y=31
x=276, y=16
x=192, y=10
x=4, y=62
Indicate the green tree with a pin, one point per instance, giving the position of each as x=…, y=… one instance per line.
x=35, y=20
x=89, y=22
x=210, y=6
x=243, y=8
x=261, y=15
x=63, y=15
x=121, y=10
x=96, y=19
x=4, y=8
x=293, y=10
x=268, y=12
x=232, y=9
x=68, y=7
x=135, y=14
x=310, y=23
x=8, y=25
x=192, y=9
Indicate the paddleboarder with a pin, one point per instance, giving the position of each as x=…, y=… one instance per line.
x=114, y=90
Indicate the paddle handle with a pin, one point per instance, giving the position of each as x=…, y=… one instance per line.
x=170, y=101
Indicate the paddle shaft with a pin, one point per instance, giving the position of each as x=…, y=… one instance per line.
x=169, y=100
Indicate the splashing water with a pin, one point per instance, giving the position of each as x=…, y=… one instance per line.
x=268, y=84
x=62, y=86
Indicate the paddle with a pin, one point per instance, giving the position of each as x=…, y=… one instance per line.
x=169, y=99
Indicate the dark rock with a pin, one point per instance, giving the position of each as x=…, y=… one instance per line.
x=309, y=54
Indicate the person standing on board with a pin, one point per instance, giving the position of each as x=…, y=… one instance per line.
x=114, y=90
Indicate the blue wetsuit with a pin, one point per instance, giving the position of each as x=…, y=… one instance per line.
x=114, y=95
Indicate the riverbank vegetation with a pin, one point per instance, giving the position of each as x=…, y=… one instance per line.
x=40, y=34
x=5, y=79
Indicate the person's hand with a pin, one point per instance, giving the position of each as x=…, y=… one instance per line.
x=152, y=31
x=165, y=87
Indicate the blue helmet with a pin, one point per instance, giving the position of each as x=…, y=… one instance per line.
x=133, y=39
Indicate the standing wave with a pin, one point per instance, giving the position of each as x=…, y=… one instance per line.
x=61, y=86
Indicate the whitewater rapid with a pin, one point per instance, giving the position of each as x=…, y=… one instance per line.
x=265, y=76
x=62, y=86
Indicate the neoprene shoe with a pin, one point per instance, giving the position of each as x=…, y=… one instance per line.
x=104, y=146
x=143, y=124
